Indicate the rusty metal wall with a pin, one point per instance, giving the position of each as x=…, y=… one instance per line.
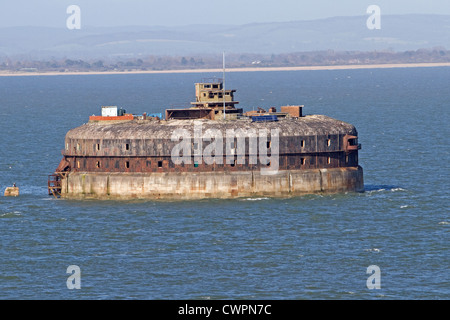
x=163, y=147
x=165, y=164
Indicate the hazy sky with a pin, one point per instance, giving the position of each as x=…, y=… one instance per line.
x=108, y=13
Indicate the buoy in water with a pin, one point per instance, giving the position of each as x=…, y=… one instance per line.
x=12, y=191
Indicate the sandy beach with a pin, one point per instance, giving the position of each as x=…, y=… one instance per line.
x=249, y=69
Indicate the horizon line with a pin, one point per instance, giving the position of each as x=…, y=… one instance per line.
x=229, y=70
x=221, y=24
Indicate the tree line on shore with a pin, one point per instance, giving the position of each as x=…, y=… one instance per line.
x=173, y=62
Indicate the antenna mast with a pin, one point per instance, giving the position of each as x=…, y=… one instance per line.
x=223, y=85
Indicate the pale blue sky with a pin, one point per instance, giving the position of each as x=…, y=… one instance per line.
x=109, y=13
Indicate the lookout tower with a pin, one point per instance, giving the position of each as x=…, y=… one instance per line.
x=210, y=94
x=210, y=100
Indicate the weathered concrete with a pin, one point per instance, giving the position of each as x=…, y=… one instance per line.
x=188, y=185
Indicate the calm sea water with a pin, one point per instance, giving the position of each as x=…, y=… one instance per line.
x=309, y=247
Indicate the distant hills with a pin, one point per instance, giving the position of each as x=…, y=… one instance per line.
x=398, y=33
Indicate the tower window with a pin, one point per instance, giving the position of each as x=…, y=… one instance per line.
x=127, y=146
x=127, y=164
x=160, y=164
x=303, y=161
x=97, y=164
x=302, y=143
x=328, y=142
x=329, y=160
x=97, y=146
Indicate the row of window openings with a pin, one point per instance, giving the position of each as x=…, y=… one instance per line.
x=127, y=164
x=160, y=163
x=219, y=94
x=207, y=86
x=195, y=145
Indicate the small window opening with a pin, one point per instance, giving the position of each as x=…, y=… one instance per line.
x=269, y=144
x=127, y=146
x=97, y=164
x=302, y=143
x=328, y=142
x=97, y=147
x=127, y=164
x=160, y=163
x=195, y=164
x=329, y=160
x=303, y=161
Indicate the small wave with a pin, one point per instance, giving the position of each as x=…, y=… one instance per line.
x=11, y=214
x=444, y=223
x=372, y=250
x=373, y=191
x=397, y=189
x=369, y=189
x=254, y=199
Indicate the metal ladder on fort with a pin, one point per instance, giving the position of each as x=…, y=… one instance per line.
x=54, y=184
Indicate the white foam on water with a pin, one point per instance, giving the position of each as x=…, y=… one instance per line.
x=397, y=189
x=11, y=214
x=372, y=250
x=254, y=199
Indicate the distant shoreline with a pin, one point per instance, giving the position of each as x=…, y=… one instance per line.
x=246, y=69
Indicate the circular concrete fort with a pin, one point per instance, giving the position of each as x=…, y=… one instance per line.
x=209, y=150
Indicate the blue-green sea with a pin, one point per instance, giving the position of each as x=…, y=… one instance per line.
x=308, y=247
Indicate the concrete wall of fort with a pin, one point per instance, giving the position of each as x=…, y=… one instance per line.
x=187, y=185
